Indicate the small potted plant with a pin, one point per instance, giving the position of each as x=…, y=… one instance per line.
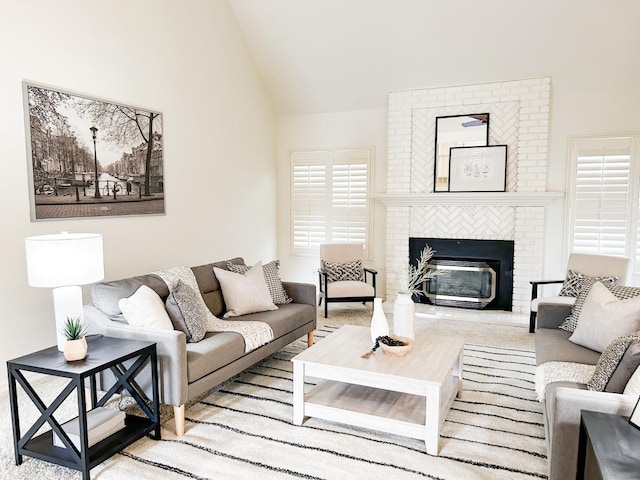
x=75, y=348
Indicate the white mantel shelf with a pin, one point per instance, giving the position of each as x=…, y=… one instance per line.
x=515, y=199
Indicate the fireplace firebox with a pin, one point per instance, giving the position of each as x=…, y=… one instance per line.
x=475, y=273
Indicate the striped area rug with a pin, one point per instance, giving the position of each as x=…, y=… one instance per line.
x=244, y=430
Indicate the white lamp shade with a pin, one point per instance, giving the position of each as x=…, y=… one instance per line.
x=64, y=259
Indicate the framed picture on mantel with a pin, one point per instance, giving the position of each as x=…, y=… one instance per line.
x=478, y=169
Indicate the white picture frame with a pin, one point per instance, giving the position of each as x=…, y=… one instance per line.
x=478, y=169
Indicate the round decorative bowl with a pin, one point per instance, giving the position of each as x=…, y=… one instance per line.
x=397, y=351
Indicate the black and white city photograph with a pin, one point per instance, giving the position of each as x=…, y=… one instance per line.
x=90, y=157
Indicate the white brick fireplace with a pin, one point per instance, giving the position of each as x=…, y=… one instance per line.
x=519, y=118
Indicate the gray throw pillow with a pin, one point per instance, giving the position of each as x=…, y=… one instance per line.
x=193, y=310
x=610, y=361
x=271, y=273
x=178, y=321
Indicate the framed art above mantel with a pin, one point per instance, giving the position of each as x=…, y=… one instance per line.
x=478, y=169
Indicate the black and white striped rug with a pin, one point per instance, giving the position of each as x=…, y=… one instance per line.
x=244, y=430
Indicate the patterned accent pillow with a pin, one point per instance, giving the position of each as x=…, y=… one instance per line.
x=193, y=311
x=610, y=360
x=620, y=291
x=271, y=273
x=343, y=271
x=573, y=284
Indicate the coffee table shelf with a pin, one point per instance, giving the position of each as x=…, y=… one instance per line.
x=407, y=396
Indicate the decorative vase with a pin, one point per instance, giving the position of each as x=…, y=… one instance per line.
x=404, y=318
x=379, y=325
x=75, y=349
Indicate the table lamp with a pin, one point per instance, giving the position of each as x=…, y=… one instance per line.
x=63, y=262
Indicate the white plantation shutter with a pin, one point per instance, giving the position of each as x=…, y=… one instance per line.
x=329, y=198
x=603, y=201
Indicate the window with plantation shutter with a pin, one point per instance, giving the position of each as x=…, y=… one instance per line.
x=603, y=196
x=329, y=198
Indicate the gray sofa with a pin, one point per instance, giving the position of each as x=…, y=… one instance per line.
x=564, y=400
x=187, y=370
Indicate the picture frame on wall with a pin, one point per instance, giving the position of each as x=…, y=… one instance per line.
x=90, y=157
x=467, y=130
x=478, y=169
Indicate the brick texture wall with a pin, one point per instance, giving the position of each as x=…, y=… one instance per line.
x=519, y=118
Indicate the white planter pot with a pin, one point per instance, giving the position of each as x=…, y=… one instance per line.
x=75, y=349
x=404, y=316
x=379, y=325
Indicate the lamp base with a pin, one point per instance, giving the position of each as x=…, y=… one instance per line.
x=67, y=303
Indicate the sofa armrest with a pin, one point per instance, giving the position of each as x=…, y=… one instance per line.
x=171, y=347
x=563, y=407
x=552, y=315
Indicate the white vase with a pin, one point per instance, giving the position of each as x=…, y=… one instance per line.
x=404, y=316
x=75, y=349
x=379, y=325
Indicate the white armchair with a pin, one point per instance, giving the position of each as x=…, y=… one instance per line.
x=353, y=285
x=587, y=264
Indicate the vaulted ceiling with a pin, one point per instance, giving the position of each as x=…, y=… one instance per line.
x=337, y=55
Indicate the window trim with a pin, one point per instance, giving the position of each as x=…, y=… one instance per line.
x=331, y=151
x=578, y=143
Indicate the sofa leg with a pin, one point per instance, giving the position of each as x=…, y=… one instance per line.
x=178, y=413
x=309, y=339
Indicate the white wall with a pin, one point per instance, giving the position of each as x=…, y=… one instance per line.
x=187, y=60
x=360, y=128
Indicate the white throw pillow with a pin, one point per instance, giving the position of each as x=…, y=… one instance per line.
x=145, y=309
x=633, y=385
x=604, y=318
x=244, y=293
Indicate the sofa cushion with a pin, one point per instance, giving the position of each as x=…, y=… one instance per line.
x=271, y=273
x=145, y=309
x=209, y=285
x=214, y=351
x=221, y=348
x=605, y=318
x=283, y=320
x=106, y=295
x=553, y=345
x=611, y=360
x=244, y=293
x=343, y=271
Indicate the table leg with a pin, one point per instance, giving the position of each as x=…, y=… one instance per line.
x=298, y=393
x=13, y=397
x=432, y=420
x=457, y=371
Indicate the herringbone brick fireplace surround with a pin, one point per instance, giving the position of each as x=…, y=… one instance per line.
x=519, y=118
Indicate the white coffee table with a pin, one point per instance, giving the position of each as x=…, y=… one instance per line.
x=408, y=395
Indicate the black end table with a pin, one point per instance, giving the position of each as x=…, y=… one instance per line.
x=105, y=353
x=608, y=447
